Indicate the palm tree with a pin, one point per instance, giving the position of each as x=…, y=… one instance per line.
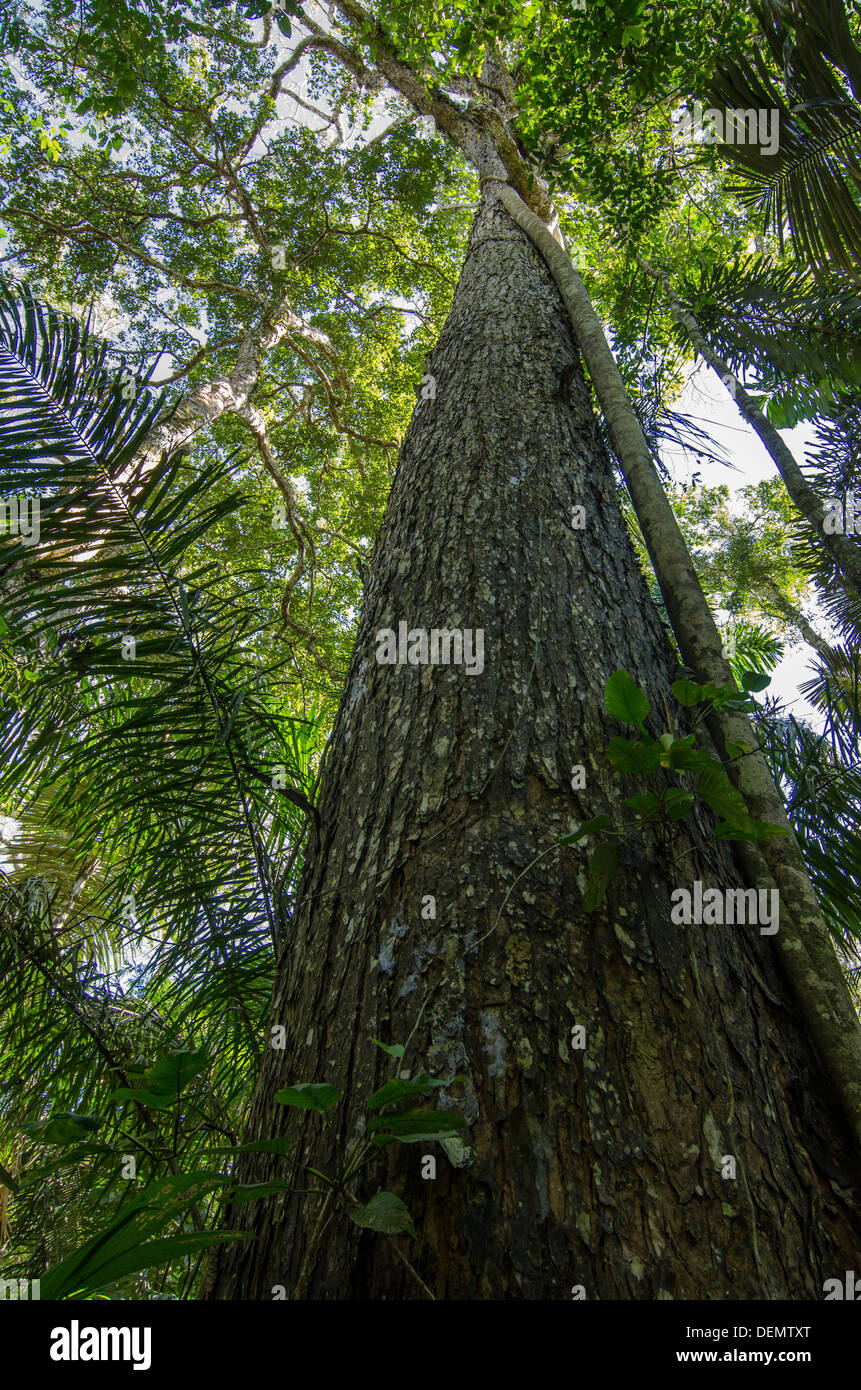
x=810, y=185
x=158, y=797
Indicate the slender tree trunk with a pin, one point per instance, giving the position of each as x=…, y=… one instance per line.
x=803, y=626
x=843, y=551
x=599, y=1167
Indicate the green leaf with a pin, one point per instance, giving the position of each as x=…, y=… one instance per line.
x=385, y=1213
x=63, y=1281
x=309, y=1095
x=124, y=1245
x=394, y=1091
x=395, y=1050
x=646, y=803
x=753, y=831
x=35, y=1174
x=252, y=1191
x=588, y=827
x=678, y=803
x=6, y=1179
x=737, y=750
x=689, y=694
x=638, y=756
x=68, y=1127
x=149, y=1098
x=166, y=1079
x=754, y=680
x=721, y=796
x=685, y=758
x=735, y=702
x=414, y=1125
x=463, y=39
x=603, y=867
x=625, y=700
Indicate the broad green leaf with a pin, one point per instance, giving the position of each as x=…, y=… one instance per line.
x=166, y=1079
x=153, y=1099
x=736, y=703
x=65, y=1128
x=394, y=1091
x=309, y=1095
x=678, y=803
x=65, y=1281
x=415, y=1125
x=688, y=694
x=685, y=758
x=123, y=1245
x=721, y=796
x=625, y=700
x=640, y=757
x=753, y=831
x=251, y=1192
x=646, y=803
x=385, y=1213
x=395, y=1050
x=70, y=1156
x=755, y=680
x=588, y=827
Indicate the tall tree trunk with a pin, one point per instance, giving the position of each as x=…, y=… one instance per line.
x=598, y=1167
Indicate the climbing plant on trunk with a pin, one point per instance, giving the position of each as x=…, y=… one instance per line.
x=618, y=1067
x=644, y=1106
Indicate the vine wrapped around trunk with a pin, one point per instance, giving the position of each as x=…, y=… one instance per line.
x=598, y=1168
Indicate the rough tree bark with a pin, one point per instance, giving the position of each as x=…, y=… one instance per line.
x=808, y=955
x=601, y=1167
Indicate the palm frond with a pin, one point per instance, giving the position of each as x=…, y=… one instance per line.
x=160, y=789
x=751, y=647
x=809, y=185
x=833, y=468
x=835, y=690
x=782, y=330
x=822, y=794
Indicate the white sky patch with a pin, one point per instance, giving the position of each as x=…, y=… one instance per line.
x=705, y=398
x=10, y=831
